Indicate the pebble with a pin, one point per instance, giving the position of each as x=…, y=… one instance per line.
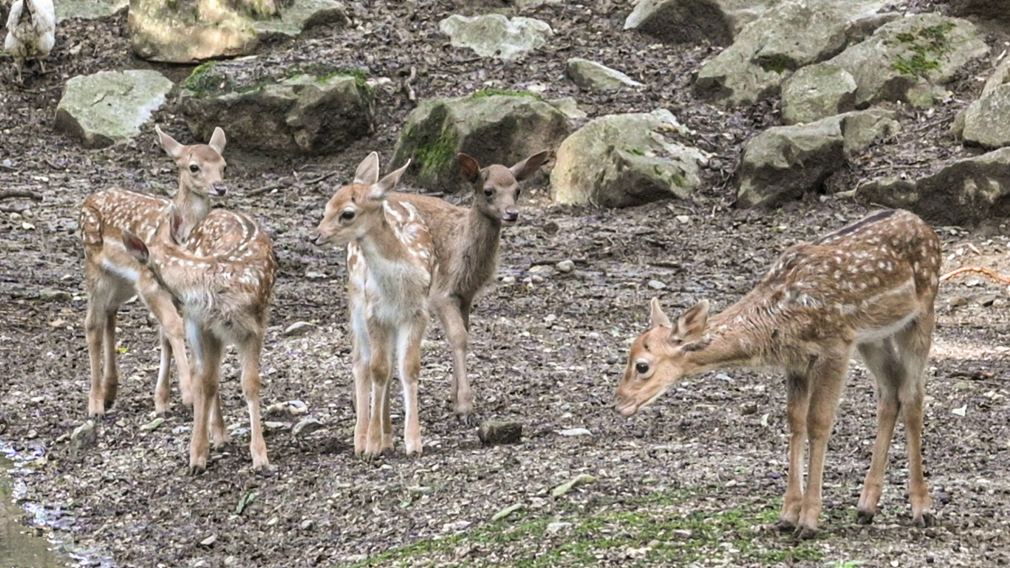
x=493, y=432
x=298, y=328
x=84, y=436
x=210, y=540
x=306, y=426
x=54, y=294
x=557, y=526
x=656, y=285
x=683, y=219
x=565, y=266
x=748, y=408
x=572, y=432
x=152, y=424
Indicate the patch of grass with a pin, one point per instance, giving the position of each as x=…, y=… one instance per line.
x=652, y=526
x=434, y=156
x=925, y=48
x=201, y=80
x=493, y=92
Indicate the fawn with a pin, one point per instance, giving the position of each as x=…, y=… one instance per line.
x=111, y=278
x=390, y=262
x=466, y=248
x=870, y=286
x=224, y=294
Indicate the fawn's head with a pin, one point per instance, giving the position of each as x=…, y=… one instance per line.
x=658, y=357
x=357, y=208
x=496, y=187
x=201, y=166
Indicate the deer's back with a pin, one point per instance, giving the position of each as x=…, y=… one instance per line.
x=107, y=214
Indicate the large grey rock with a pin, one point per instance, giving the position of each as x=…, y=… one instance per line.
x=784, y=162
x=626, y=159
x=88, y=9
x=909, y=59
x=815, y=92
x=682, y=21
x=593, y=76
x=1000, y=76
x=965, y=192
x=987, y=120
x=984, y=9
x=185, y=32
x=273, y=108
x=493, y=126
x=110, y=106
x=786, y=37
x=494, y=35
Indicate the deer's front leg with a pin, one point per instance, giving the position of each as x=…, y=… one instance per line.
x=454, y=323
x=110, y=383
x=798, y=401
x=250, y=354
x=409, y=353
x=207, y=350
x=380, y=371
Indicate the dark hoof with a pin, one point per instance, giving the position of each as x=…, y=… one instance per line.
x=197, y=469
x=468, y=420
x=925, y=520
x=785, y=526
x=805, y=533
x=864, y=517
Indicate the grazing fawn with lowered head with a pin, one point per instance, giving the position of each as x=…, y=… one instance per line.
x=466, y=247
x=223, y=280
x=868, y=286
x=111, y=277
x=390, y=261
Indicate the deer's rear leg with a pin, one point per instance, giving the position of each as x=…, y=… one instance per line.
x=207, y=350
x=798, y=401
x=914, y=343
x=251, y=389
x=110, y=382
x=883, y=362
x=453, y=317
x=173, y=344
x=94, y=330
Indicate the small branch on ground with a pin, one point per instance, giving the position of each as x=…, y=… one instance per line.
x=16, y=193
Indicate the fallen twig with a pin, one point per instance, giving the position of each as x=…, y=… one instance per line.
x=987, y=272
x=15, y=193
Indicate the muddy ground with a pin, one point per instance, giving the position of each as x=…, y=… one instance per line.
x=696, y=479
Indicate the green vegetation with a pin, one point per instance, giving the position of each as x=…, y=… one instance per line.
x=435, y=155
x=653, y=529
x=777, y=63
x=925, y=47
x=201, y=80
x=493, y=92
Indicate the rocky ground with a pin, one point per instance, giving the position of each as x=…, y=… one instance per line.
x=697, y=479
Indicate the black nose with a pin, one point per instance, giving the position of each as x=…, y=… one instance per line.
x=220, y=189
x=642, y=368
x=511, y=215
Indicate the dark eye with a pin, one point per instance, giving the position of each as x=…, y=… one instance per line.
x=488, y=192
x=642, y=367
x=194, y=168
x=347, y=215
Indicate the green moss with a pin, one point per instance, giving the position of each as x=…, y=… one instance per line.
x=924, y=48
x=201, y=80
x=652, y=524
x=493, y=92
x=433, y=157
x=777, y=63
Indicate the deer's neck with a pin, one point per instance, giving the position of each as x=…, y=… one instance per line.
x=476, y=251
x=193, y=207
x=384, y=254
x=733, y=339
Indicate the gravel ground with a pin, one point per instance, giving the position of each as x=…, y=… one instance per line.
x=695, y=479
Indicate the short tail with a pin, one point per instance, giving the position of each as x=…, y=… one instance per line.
x=987, y=272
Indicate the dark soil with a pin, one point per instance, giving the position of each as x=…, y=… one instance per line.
x=697, y=478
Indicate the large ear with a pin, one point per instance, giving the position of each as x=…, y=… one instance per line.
x=387, y=183
x=368, y=170
x=656, y=315
x=136, y=247
x=694, y=320
x=469, y=167
x=172, y=148
x=218, y=140
x=529, y=166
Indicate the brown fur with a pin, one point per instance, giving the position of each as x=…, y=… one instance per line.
x=870, y=286
x=104, y=217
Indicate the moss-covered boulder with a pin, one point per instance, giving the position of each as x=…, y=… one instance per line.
x=785, y=162
x=493, y=126
x=495, y=35
x=622, y=160
x=684, y=21
x=785, y=38
x=267, y=107
x=110, y=106
x=186, y=31
x=815, y=92
x=965, y=192
x=910, y=59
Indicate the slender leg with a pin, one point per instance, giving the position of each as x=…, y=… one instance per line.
x=94, y=330
x=382, y=351
x=409, y=359
x=387, y=422
x=882, y=360
x=455, y=325
x=161, y=396
x=827, y=378
x=914, y=344
x=173, y=335
x=218, y=431
x=798, y=402
x=208, y=354
x=111, y=380
x=250, y=354
x=362, y=389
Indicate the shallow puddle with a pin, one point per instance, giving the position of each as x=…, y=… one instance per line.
x=20, y=547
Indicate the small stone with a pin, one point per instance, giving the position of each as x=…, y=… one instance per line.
x=209, y=541
x=656, y=285
x=577, y=481
x=152, y=425
x=289, y=408
x=52, y=294
x=456, y=526
x=273, y=425
x=574, y=432
x=311, y=275
x=565, y=266
x=683, y=219
x=506, y=512
x=307, y=524
x=962, y=411
x=749, y=408
x=557, y=526
x=494, y=432
x=298, y=328
x=306, y=426
x=84, y=436
x=541, y=269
